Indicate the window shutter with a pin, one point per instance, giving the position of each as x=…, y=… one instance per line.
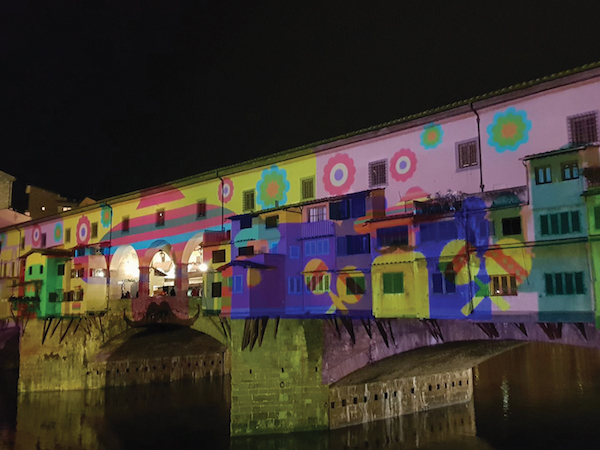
x=569, y=285
x=549, y=284
x=579, y=283
x=558, y=283
x=575, y=221
x=437, y=283
x=564, y=223
x=597, y=217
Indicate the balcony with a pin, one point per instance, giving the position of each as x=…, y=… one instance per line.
x=216, y=237
x=317, y=229
x=592, y=177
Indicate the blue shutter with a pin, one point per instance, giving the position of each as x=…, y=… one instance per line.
x=358, y=207
x=238, y=284
x=342, y=248
x=309, y=248
x=575, y=221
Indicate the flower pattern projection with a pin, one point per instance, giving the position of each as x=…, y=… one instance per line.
x=105, y=216
x=36, y=236
x=272, y=188
x=225, y=190
x=58, y=232
x=509, y=130
x=83, y=231
x=403, y=165
x=338, y=174
x=431, y=136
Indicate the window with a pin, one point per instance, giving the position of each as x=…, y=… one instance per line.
x=43, y=243
x=511, y=226
x=444, y=283
x=160, y=218
x=597, y=217
x=438, y=231
x=30, y=270
x=246, y=251
x=466, y=153
x=77, y=273
x=543, y=175
x=94, y=230
x=238, y=284
x=503, y=285
x=566, y=283
x=396, y=236
x=98, y=273
x=570, y=171
x=317, y=213
x=272, y=221
x=60, y=270
x=218, y=256
x=583, y=128
x=378, y=173
x=316, y=247
x=125, y=226
x=248, y=200
x=393, y=283
x=560, y=223
x=216, y=289
x=67, y=235
x=318, y=282
x=295, y=285
x=294, y=252
x=246, y=222
x=307, y=188
x=353, y=207
x=355, y=285
x=23, y=241
x=353, y=244
x=200, y=209
x=41, y=270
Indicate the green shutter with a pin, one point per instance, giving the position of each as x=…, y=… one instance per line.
x=549, y=284
x=564, y=223
x=579, y=283
x=569, y=285
x=597, y=217
x=393, y=283
x=544, y=224
x=558, y=280
x=554, y=224
x=575, y=221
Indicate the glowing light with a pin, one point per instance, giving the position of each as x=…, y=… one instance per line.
x=203, y=267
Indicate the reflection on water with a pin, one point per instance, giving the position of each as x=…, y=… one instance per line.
x=536, y=396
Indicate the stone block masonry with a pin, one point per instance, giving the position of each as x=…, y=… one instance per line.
x=354, y=404
x=277, y=387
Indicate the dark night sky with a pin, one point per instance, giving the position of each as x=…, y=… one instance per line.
x=102, y=98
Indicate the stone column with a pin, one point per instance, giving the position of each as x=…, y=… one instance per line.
x=144, y=287
x=181, y=279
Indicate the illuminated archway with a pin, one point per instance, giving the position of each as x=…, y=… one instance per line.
x=124, y=273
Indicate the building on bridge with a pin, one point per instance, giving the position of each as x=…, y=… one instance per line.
x=484, y=210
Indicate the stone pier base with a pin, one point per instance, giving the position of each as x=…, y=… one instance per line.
x=354, y=404
x=277, y=386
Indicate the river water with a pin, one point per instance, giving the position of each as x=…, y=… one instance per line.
x=536, y=396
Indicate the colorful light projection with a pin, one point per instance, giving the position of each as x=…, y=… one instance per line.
x=225, y=192
x=432, y=136
x=338, y=174
x=272, y=188
x=58, y=232
x=509, y=130
x=403, y=165
x=83, y=230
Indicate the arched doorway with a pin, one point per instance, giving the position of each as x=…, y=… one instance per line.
x=124, y=273
x=162, y=274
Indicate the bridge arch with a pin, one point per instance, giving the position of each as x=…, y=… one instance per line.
x=157, y=354
x=376, y=341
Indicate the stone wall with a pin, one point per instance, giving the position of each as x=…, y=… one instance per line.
x=354, y=404
x=276, y=387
